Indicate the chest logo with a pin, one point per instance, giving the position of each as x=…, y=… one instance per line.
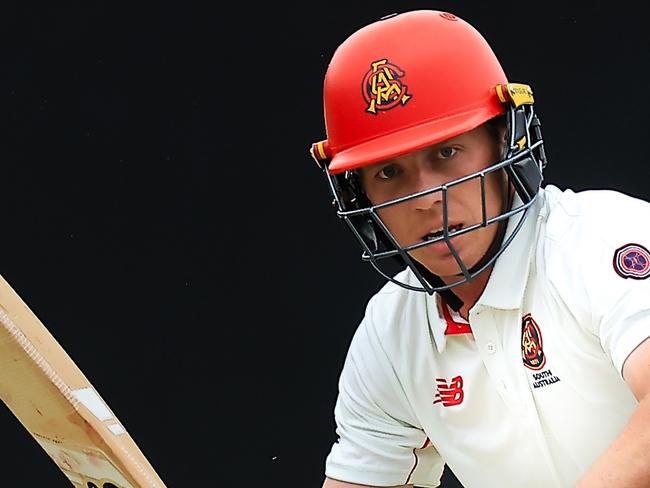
x=632, y=261
x=532, y=351
x=383, y=88
x=449, y=393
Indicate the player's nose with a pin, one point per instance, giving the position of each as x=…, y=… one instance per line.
x=429, y=184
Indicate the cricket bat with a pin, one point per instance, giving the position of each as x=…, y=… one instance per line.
x=51, y=397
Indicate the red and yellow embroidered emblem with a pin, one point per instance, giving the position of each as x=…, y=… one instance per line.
x=532, y=351
x=383, y=88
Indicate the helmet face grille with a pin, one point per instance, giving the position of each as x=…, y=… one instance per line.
x=523, y=162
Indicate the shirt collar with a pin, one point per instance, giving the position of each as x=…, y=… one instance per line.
x=437, y=322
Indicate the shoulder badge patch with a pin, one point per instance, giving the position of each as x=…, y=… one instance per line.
x=632, y=261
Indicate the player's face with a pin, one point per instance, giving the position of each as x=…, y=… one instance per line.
x=416, y=220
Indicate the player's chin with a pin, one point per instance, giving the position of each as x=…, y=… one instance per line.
x=438, y=262
x=442, y=262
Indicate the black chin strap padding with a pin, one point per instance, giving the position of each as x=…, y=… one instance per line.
x=525, y=174
x=435, y=281
x=537, y=129
x=526, y=178
x=520, y=124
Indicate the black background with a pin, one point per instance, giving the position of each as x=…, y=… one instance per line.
x=162, y=216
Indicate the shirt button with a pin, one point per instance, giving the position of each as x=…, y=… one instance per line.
x=490, y=347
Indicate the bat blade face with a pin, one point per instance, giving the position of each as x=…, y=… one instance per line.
x=84, y=467
x=60, y=408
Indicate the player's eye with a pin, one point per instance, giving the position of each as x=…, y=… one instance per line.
x=446, y=152
x=387, y=172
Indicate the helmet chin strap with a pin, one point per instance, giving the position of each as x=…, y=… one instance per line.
x=454, y=302
x=435, y=281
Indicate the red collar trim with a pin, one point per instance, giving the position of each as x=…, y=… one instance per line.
x=453, y=327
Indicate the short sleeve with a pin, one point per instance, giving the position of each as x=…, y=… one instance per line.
x=379, y=442
x=606, y=258
x=622, y=303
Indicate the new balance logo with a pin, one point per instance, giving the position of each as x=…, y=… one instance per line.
x=450, y=394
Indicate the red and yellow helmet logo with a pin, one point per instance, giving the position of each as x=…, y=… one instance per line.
x=382, y=87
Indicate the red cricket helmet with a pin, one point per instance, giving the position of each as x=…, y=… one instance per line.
x=403, y=83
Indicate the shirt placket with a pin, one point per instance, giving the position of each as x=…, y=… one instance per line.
x=498, y=337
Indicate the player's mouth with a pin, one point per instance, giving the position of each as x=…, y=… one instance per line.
x=439, y=232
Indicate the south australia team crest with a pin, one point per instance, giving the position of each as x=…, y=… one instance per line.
x=532, y=353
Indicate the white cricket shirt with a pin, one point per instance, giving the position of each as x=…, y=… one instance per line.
x=533, y=393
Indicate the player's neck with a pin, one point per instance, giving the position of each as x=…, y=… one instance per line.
x=471, y=291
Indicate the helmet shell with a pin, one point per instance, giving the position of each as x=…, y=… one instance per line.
x=405, y=82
